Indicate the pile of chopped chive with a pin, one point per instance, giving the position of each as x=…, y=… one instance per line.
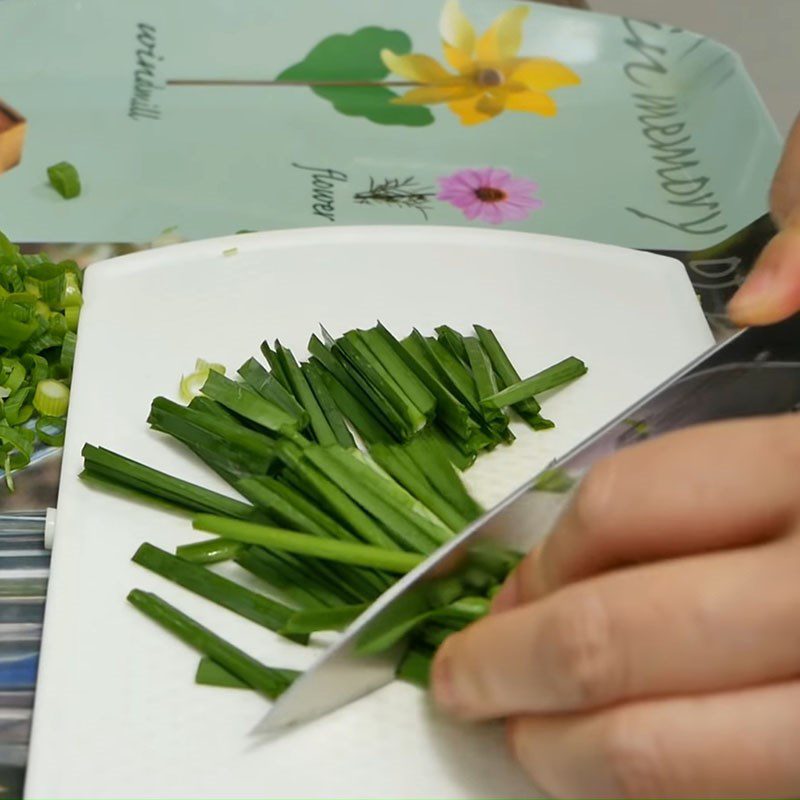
x=348, y=466
x=40, y=304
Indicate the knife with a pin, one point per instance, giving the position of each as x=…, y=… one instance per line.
x=755, y=372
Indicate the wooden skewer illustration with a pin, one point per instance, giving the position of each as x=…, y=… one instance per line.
x=236, y=82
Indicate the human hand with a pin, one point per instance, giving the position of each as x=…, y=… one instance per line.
x=650, y=647
x=772, y=291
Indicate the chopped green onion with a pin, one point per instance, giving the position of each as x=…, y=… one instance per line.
x=50, y=430
x=326, y=619
x=304, y=587
x=315, y=375
x=64, y=179
x=507, y=375
x=270, y=388
x=304, y=544
x=128, y=473
x=209, y=551
x=51, y=398
x=454, y=342
x=247, y=403
x=415, y=668
x=213, y=587
x=210, y=673
x=269, y=682
x=566, y=370
x=72, y=314
x=68, y=350
x=192, y=384
x=302, y=391
x=397, y=463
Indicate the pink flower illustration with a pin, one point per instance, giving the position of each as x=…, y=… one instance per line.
x=491, y=195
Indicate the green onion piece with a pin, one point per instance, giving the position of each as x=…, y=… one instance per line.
x=72, y=314
x=292, y=509
x=125, y=472
x=247, y=403
x=8, y=472
x=50, y=281
x=14, y=405
x=450, y=411
x=368, y=426
x=297, y=581
x=415, y=668
x=209, y=551
x=397, y=463
x=268, y=494
x=302, y=391
x=506, y=373
x=268, y=682
x=209, y=673
x=382, y=497
x=192, y=384
x=408, y=616
x=327, y=619
x=36, y=367
x=539, y=423
x=304, y=544
x=384, y=388
x=563, y=372
x=270, y=388
x=389, y=353
x=338, y=502
x=315, y=375
x=434, y=635
x=12, y=374
x=50, y=430
x=213, y=587
x=68, y=350
x=426, y=453
x=481, y=367
x=379, y=640
x=72, y=297
x=64, y=179
x=461, y=459
x=276, y=365
x=454, y=342
x=51, y=398
x=335, y=367
x=223, y=443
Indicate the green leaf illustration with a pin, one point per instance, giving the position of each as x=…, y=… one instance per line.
x=356, y=57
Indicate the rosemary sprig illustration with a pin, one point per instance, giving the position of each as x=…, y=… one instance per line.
x=400, y=193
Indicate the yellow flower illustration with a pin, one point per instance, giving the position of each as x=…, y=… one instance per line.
x=490, y=76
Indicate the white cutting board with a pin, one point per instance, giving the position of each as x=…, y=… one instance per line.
x=117, y=713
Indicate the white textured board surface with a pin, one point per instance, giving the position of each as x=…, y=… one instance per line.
x=117, y=713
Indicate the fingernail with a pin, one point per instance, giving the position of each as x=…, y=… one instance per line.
x=442, y=681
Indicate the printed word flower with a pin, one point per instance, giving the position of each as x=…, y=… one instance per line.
x=489, y=76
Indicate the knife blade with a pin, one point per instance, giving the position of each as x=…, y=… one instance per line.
x=756, y=371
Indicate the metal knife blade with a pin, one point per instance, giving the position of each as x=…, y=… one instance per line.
x=755, y=372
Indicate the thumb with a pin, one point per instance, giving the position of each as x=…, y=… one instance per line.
x=772, y=291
